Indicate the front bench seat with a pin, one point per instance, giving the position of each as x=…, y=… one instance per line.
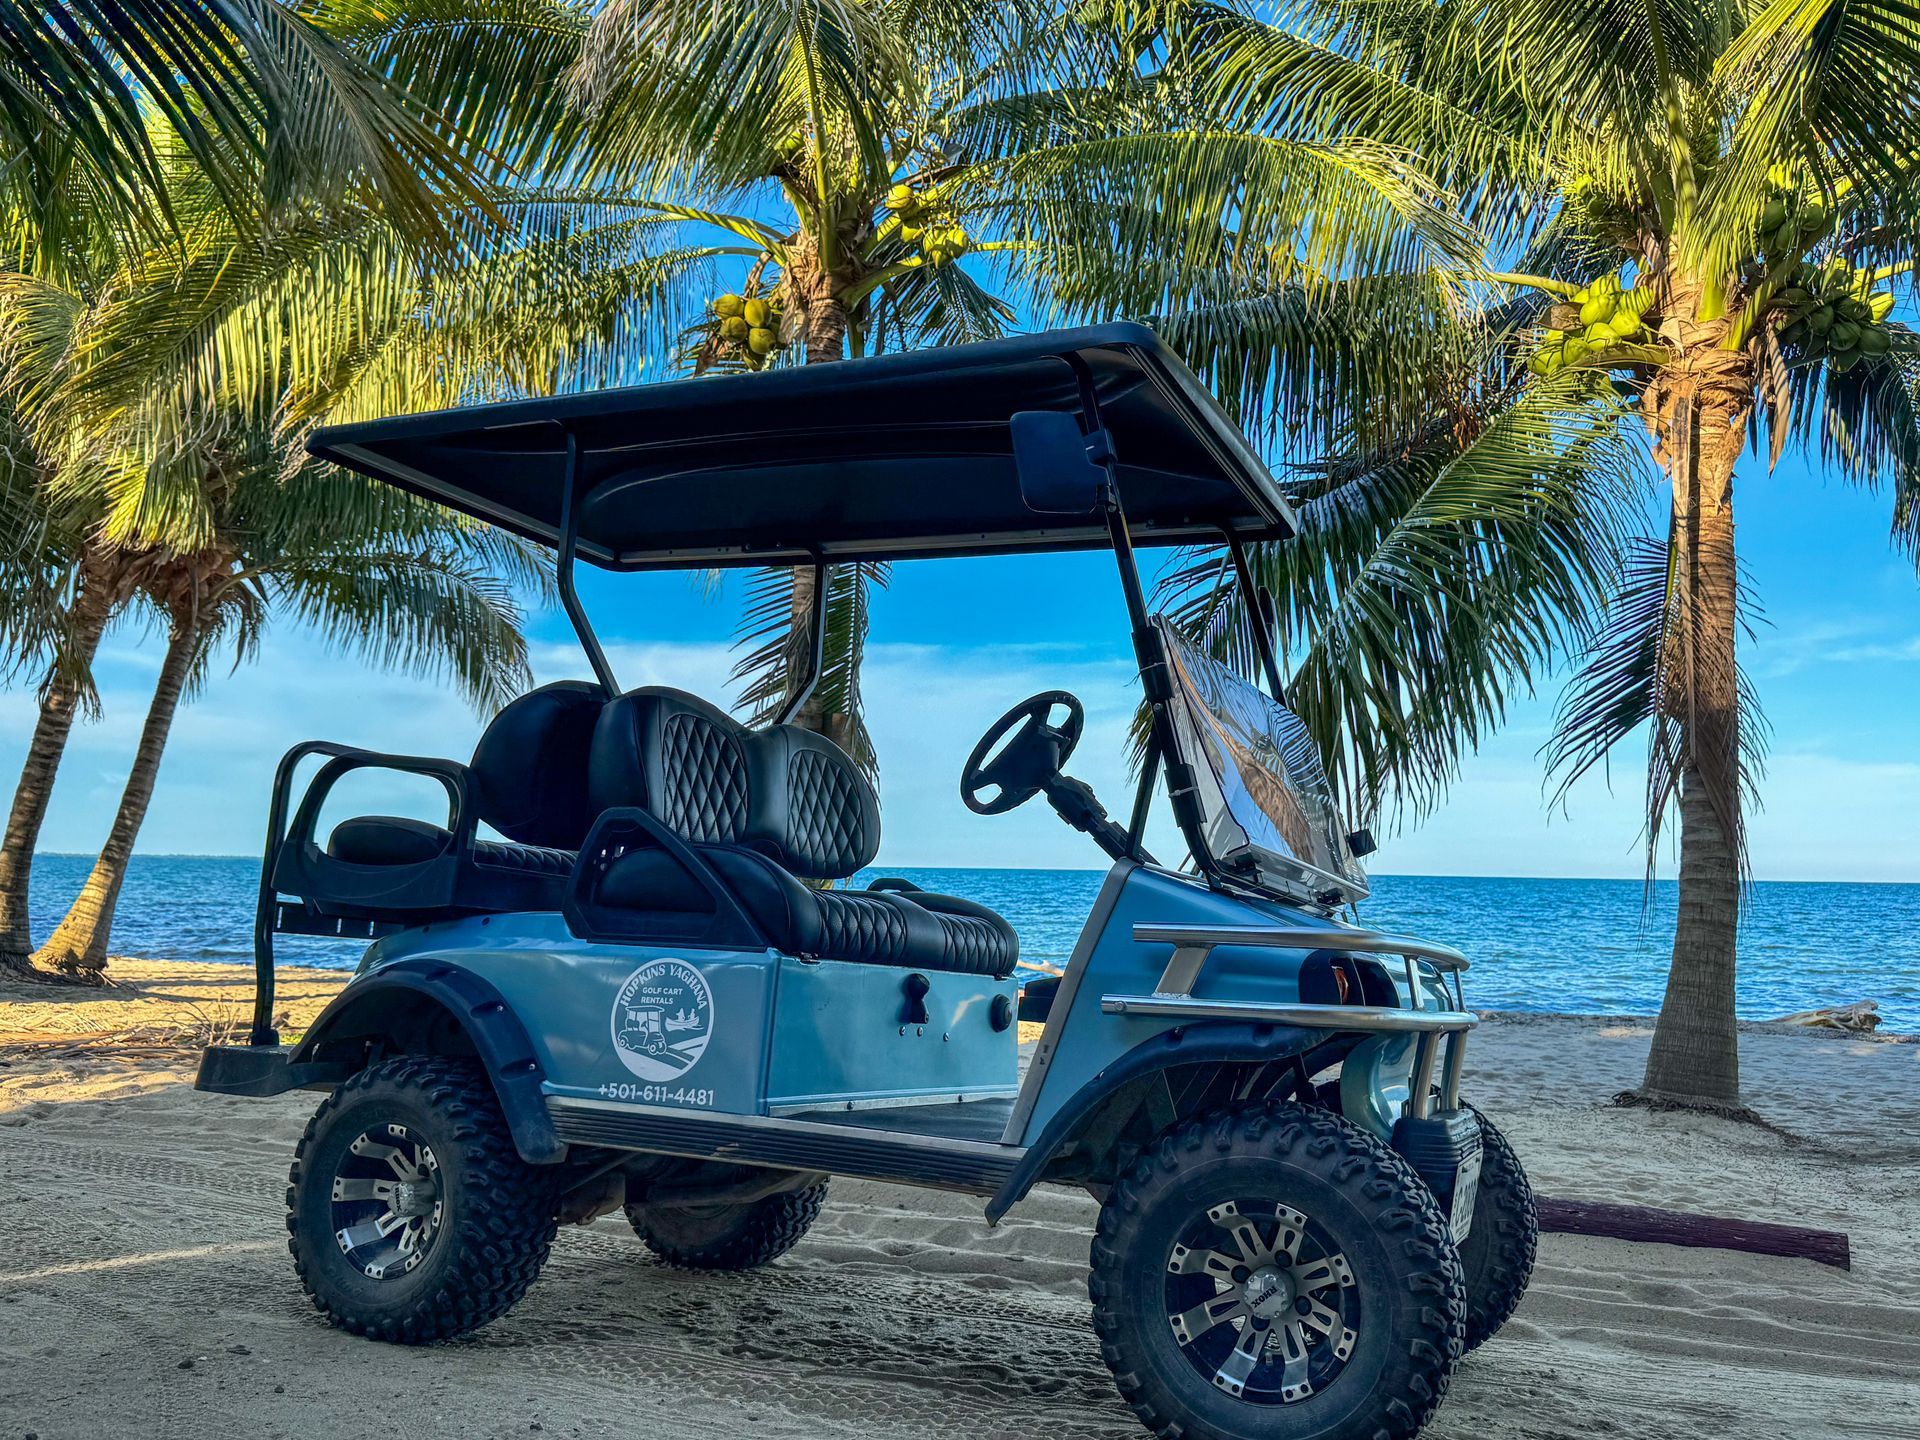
x=766, y=810
x=528, y=780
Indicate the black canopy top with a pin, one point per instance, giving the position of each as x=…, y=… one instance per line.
x=891, y=457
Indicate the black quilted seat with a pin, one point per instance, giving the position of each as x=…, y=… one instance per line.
x=527, y=779
x=767, y=810
x=510, y=876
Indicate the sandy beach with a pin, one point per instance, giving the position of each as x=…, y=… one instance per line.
x=145, y=1287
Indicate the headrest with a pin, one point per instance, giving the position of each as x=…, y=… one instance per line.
x=786, y=792
x=530, y=767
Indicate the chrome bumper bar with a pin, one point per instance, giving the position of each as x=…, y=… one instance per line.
x=1173, y=996
x=1318, y=1017
x=1279, y=937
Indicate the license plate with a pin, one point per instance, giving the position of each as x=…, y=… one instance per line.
x=1465, y=1187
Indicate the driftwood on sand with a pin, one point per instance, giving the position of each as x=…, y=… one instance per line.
x=1676, y=1227
x=1861, y=1016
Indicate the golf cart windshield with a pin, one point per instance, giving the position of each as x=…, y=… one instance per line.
x=1265, y=801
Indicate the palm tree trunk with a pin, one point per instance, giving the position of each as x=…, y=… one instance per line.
x=78, y=944
x=96, y=593
x=1704, y=400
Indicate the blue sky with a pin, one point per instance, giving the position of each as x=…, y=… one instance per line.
x=955, y=643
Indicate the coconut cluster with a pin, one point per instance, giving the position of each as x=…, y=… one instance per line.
x=940, y=240
x=1600, y=316
x=1834, y=312
x=1789, y=219
x=750, y=325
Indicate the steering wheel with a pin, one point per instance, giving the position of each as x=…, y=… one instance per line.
x=1029, y=760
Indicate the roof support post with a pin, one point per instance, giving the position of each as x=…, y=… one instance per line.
x=563, y=571
x=816, y=645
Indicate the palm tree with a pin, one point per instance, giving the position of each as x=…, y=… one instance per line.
x=165, y=394
x=253, y=89
x=902, y=173
x=1699, y=206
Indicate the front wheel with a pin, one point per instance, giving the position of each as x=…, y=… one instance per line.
x=1269, y=1272
x=410, y=1215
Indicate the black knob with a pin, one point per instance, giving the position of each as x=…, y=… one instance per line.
x=1000, y=1013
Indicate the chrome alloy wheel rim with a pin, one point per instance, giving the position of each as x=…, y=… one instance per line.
x=1261, y=1302
x=387, y=1202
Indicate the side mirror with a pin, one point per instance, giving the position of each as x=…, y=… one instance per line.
x=1059, y=474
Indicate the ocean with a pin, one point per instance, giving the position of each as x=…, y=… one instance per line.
x=1580, y=946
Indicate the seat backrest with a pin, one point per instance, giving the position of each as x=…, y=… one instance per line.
x=790, y=794
x=530, y=767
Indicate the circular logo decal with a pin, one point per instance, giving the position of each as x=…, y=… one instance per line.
x=662, y=1019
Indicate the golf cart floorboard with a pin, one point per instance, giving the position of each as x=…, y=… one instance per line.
x=947, y=1146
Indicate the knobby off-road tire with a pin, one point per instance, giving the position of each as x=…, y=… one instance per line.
x=1377, y=1360
x=728, y=1237
x=484, y=1221
x=1497, y=1257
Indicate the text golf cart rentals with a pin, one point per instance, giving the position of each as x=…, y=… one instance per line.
x=657, y=990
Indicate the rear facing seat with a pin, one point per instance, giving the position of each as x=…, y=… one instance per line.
x=527, y=779
x=767, y=810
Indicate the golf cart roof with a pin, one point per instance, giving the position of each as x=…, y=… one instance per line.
x=885, y=458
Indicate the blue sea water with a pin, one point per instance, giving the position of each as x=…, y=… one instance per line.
x=1583, y=946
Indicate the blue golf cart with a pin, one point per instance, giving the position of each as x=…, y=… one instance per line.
x=650, y=986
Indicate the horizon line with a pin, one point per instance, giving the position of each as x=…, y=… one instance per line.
x=1079, y=870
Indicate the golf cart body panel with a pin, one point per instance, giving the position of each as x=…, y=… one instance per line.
x=740, y=1032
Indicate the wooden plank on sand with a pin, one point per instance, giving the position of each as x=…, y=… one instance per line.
x=1676, y=1227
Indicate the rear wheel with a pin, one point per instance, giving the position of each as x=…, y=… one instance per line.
x=1269, y=1272
x=410, y=1215
x=728, y=1237
x=1497, y=1256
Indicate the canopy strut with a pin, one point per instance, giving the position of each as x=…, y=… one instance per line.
x=817, y=646
x=569, y=597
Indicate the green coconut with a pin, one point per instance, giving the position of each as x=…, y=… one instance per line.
x=1813, y=218
x=1627, y=327
x=735, y=327
x=762, y=341
x=1596, y=310
x=1793, y=297
x=758, y=312
x=1844, y=335
x=1822, y=320
x=1855, y=309
x=1772, y=213
x=1875, y=341
x=1794, y=332
x=900, y=197
x=1576, y=350
x=727, y=306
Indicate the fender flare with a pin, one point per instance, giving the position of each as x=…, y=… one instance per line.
x=1213, y=1042
x=403, y=990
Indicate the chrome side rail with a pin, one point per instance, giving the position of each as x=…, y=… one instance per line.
x=1316, y=1017
x=1367, y=942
